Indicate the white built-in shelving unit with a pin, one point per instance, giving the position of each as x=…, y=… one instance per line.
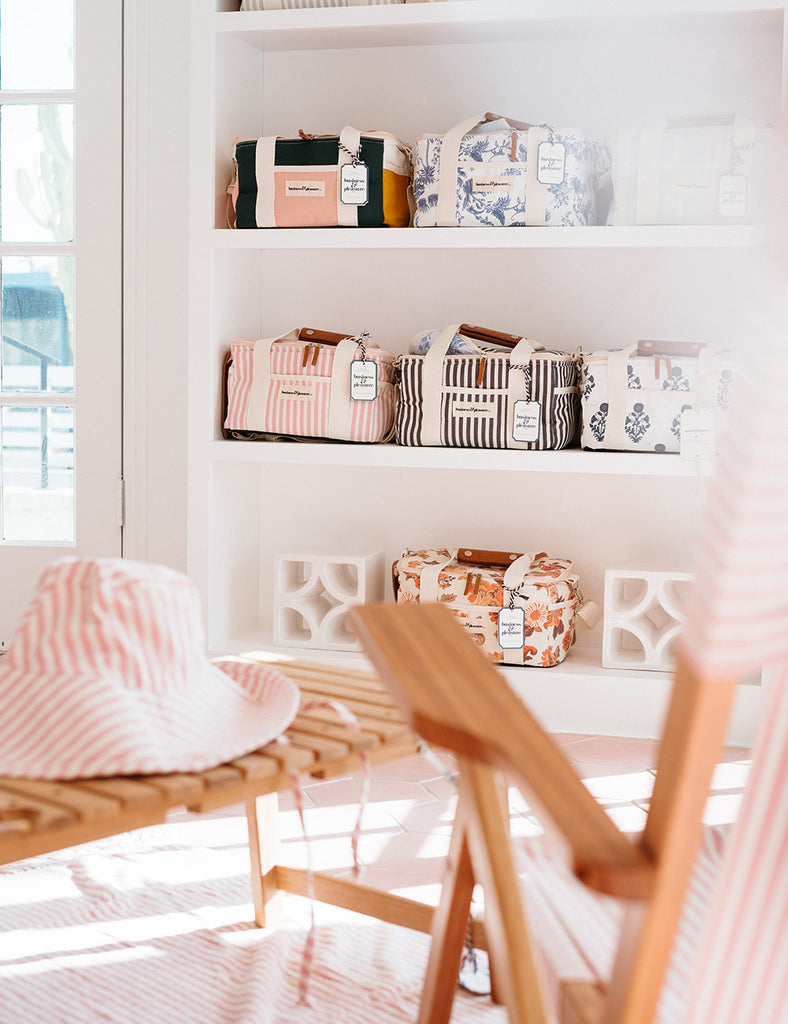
x=597, y=66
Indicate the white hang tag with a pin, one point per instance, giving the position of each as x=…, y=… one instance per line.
x=550, y=163
x=363, y=380
x=354, y=184
x=511, y=628
x=697, y=434
x=526, y=421
x=733, y=195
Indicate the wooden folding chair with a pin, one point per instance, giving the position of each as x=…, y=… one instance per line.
x=455, y=698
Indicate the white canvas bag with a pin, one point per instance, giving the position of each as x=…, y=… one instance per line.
x=689, y=171
x=634, y=399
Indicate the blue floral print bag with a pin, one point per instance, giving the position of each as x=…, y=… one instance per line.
x=494, y=171
x=634, y=400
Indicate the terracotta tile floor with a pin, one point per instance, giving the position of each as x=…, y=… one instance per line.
x=407, y=822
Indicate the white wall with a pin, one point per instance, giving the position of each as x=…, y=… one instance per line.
x=156, y=313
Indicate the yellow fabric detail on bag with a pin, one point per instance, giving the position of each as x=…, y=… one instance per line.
x=396, y=212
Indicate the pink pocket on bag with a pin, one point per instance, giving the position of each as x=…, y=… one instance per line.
x=305, y=198
x=298, y=407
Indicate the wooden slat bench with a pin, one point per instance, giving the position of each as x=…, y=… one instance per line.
x=41, y=816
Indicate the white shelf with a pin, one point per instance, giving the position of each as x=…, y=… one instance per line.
x=577, y=695
x=716, y=236
x=392, y=456
x=597, y=287
x=483, y=21
x=583, y=664
x=557, y=696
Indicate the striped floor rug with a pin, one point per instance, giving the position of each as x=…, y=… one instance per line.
x=154, y=927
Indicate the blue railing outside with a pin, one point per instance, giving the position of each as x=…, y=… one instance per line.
x=34, y=297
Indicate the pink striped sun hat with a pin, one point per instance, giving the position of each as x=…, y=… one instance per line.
x=108, y=675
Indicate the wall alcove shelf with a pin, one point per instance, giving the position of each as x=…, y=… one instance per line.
x=417, y=69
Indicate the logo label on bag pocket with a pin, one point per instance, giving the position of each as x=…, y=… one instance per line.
x=550, y=163
x=527, y=420
x=473, y=410
x=483, y=181
x=296, y=392
x=305, y=189
x=511, y=628
x=363, y=381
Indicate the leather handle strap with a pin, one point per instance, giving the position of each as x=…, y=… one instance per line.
x=669, y=348
x=520, y=126
x=486, y=334
x=477, y=556
x=324, y=337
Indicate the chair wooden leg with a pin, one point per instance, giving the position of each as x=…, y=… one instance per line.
x=262, y=821
x=449, y=927
x=515, y=956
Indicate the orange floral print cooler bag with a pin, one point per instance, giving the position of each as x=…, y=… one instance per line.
x=521, y=609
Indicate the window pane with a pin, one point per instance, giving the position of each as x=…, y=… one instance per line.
x=36, y=44
x=37, y=456
x=37, y=352
x=37, y=181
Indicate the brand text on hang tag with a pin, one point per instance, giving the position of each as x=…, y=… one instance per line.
x=511, y=628
x=363, y=380
x=697, y=434
x=526, y=421
x=550, y=163
x=733, y=195
x=354, y=184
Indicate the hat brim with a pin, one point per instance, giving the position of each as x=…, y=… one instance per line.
x=93, y=729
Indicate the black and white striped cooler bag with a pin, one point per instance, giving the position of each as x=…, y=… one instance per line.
x=526, y=398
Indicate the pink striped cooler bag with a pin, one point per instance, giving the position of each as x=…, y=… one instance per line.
x=309, y=384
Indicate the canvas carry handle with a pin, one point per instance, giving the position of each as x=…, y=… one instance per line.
x=518, y=569
x=339, y=401
x=432, y=380
x=428, y=578
x=348, y=151
x=446, y=211
x=261, y=373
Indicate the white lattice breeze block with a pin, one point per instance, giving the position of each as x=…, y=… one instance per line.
x=314, y=592
x=642, y=618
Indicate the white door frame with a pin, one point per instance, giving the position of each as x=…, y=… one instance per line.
x=156, y=263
